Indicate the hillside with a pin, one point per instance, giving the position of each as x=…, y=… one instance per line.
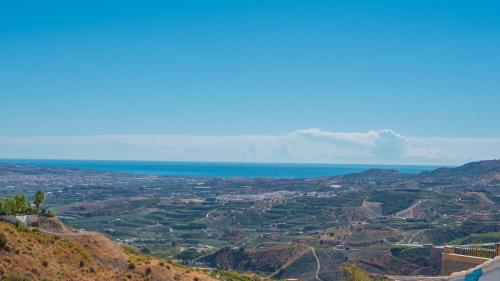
x=266, y=260
x=481, y=173
x=470, y=169
x=79, y=255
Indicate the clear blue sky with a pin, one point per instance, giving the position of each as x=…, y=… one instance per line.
x=421, y=68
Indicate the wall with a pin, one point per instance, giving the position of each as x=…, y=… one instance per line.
x=25, y=220
x=453, y=263
x=488, y=271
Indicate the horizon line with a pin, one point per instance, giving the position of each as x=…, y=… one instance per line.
x=449, y=165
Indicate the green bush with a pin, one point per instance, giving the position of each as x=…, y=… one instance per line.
x=21, y=227
x=3, y=241
x=16, y=204
x=48, y=213
x=353, y=272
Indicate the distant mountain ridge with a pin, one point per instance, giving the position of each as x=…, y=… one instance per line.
x=480, y=173
x=469, y=169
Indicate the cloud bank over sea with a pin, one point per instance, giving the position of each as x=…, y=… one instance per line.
x=301, y=146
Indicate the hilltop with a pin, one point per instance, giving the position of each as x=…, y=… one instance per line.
x=474, y=174
x=470, y=169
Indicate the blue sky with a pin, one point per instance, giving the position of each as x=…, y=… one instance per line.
x=423, y=69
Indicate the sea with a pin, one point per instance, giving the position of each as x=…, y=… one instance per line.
x=217, y=169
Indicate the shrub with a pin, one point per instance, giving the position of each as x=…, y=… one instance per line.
x=86, y=255
x=177, y=277
x=21, y=227
x=148, y=270
x=353, y=272
x=48, y=213
x=131, y=266
x=129, y=249
x=145, y=250
x=3, y=241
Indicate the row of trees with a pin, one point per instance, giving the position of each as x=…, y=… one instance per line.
x=18, y=204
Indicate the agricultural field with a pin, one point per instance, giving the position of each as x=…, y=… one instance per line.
x=189, y=219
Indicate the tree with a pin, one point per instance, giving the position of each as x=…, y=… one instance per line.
x=39, y=199
x=3, y=206
x=20, y=203
x=14, y=205
x=8, y=206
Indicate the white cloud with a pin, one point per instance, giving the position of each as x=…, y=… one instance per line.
x=367, y=138
x=306, y=145
x=390, y=145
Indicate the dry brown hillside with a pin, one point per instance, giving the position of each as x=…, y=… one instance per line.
x=64, y=254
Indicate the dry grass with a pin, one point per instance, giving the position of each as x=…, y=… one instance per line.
x=81, y=256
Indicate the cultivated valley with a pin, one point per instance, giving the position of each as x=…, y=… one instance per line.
x=387, y=222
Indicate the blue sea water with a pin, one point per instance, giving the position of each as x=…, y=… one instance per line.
x=250, y=170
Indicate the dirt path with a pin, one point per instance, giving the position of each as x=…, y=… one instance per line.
x=409, y=209
x=318, y=268
x=290, y=261
x=372, y=207
x=483, y=197
x=62, y=234
x=415, y=234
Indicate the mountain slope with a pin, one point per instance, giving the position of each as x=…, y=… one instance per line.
x=259, y=260
x=470, y=169
x=481, y=173
x=77, y=255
